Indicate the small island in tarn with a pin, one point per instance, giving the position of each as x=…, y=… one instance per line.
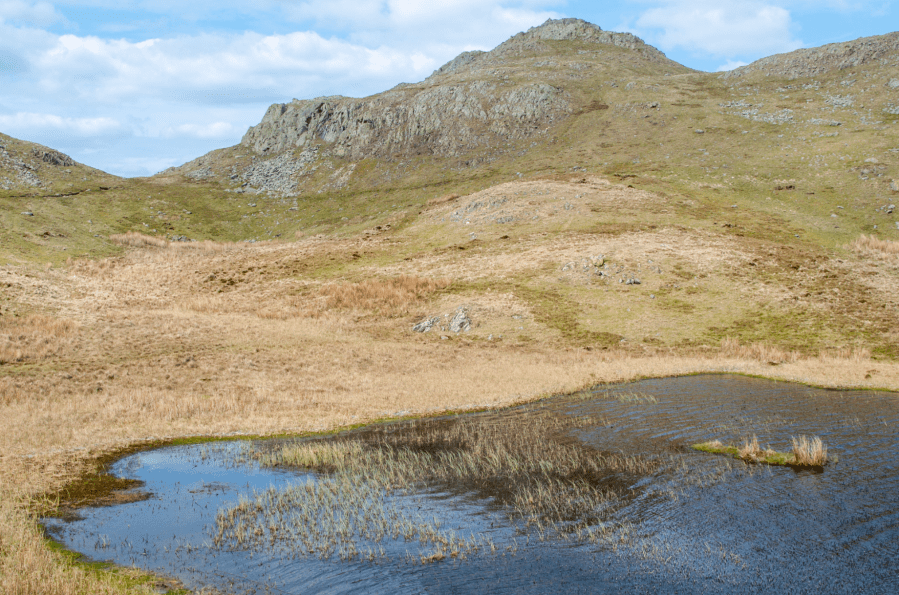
x=807, y=452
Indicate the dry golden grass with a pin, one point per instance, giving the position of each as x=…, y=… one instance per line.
x=383, y=296
x=139, y=240
x=28, y=567
x=176, y=339
x=759, y=351
x=750, y=448
x=854, y=354
x=809, y=451
x=136, y=239
x=32, y=338
x=872, y=245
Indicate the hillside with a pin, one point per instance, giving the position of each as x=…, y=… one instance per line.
x=566, y=210
x=31, y=169
x=560, y=167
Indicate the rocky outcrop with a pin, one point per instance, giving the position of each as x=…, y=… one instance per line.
x=446, y=115
x=445, y=120
x=816, y=61
x=22, y=164
x=52, y=157
x=16, y=172
x=579, y=30
x=278, y=175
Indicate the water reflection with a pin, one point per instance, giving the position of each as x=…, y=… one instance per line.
x=705, y=524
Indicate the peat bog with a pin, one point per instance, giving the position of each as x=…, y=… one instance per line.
x=594, y=492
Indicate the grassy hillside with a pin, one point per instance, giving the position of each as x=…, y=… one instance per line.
x=674, y=222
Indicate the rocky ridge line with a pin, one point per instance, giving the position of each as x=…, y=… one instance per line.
x=445, y=115
x=553, y=30
x=810, y=62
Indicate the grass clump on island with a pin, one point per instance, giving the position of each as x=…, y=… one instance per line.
x=806, y=452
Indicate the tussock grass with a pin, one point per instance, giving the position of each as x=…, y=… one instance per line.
x=852, y=354
x=759, y=351
x=806, y=452
x=525, y=462
x=139, y=240
x=866, y=244
x=393, y=295
x=136, y=239
x=809, y=451
x=33, y=338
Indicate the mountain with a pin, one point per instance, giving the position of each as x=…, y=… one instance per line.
x=495, y=102
x=30, y=168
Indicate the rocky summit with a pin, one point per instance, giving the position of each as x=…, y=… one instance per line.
x=476, y=107
x=472, y=101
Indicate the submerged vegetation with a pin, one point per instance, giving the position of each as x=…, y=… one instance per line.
x=541, y=478
x=806, y=452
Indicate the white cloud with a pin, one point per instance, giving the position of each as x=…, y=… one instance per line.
x=720, y=27
x=730, y=65
x=51, y=122
x=218, y=130
x=40, y=14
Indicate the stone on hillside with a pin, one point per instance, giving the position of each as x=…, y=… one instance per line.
x=822, y=122
x=893, y=84
x=426, y=325
x=460, y=321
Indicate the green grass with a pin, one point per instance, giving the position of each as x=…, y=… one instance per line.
x=752, y=453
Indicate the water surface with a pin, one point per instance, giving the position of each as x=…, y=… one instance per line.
x=703, y=524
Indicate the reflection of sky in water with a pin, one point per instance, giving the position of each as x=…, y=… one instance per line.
x=754, y=528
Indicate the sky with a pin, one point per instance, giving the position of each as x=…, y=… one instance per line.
x=135, y=86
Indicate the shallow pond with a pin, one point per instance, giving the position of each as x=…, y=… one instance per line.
x=696, y=522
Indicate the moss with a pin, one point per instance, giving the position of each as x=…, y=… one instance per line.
x=767, y=457
x=121, y=577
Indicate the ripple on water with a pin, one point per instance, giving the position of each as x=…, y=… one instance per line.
x=706, y=524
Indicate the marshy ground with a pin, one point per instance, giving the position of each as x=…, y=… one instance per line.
x=173, y=339
x=598, y=489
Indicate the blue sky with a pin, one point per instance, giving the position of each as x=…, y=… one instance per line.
x=135, y=86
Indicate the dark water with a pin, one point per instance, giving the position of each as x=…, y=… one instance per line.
x=707, y=524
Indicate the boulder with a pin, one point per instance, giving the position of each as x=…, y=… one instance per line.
x=460, y=321
x=426, y=325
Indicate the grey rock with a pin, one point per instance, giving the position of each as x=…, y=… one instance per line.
x=632, y=281
x=445, y=120
x=814, y=61
x=28, y=213
x=893, y=84
x=463, y=59
x=426, y=325
x=54, y=157
x=894, y=185
x=822, y=122
x=465, y=104
x=842, y=101
x=279, y=175
x=460, y=321
x=699, y=131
